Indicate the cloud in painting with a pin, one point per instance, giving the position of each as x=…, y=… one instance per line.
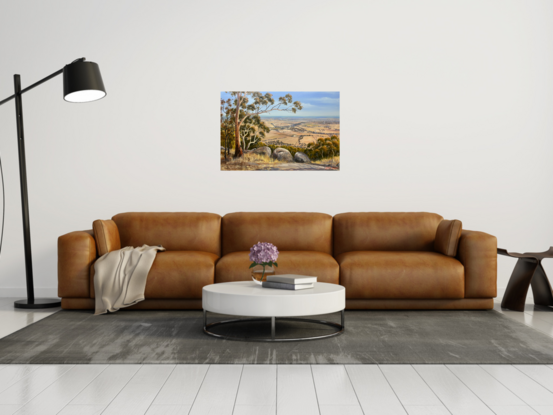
x=327, y=100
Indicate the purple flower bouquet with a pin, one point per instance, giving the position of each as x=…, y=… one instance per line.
x=264, y=254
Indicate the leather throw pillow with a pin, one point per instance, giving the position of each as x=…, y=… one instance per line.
x=447, y=237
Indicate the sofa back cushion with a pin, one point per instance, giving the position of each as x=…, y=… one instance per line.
x=385, y=231
x=289, y=231
x=182, y=231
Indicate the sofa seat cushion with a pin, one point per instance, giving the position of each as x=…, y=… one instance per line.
x=401, y=275
x=178, y=275
x=234, y=266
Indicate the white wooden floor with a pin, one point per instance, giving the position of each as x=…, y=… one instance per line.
x=275, y=389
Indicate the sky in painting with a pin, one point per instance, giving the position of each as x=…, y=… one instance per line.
x=315, y=104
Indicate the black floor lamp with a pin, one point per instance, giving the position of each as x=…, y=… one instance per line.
x=82, y=82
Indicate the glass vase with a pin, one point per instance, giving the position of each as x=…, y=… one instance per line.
x=257, y=272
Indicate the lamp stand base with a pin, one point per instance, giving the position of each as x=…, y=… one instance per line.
x=38, y=303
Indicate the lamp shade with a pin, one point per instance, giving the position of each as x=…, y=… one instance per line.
x=82, y=82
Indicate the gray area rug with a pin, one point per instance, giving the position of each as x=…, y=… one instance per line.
x=370, y=337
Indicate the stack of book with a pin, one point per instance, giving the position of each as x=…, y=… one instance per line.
x=289, y=282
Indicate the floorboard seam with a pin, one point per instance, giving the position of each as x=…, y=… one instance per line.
x=24, y=377
x=534, y=380
x=84, y=387
x=153, y=400
x=469, y=388
x=392, y=388
x=315, y=387
x=54, y=381
x=200, y=388
x=354, y=391
x=431, y=390
x=237, y=390
x=508, y=388
x=124, y=386
x=276, y=391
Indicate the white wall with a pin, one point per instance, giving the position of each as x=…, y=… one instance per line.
x=446, y=106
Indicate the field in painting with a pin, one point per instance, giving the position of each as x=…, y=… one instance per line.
x=299, y=132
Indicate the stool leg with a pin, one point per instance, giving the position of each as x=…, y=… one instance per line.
x=517, y=289
x=541, y=288
x=273, y=324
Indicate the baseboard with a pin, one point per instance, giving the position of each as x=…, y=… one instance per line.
x=48, y=292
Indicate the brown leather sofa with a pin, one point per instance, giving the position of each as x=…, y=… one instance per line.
x=385, y=260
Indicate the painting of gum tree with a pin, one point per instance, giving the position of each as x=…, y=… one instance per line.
x=250, y=109
x=268, y=131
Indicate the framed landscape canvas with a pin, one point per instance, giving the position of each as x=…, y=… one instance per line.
x=272, y=130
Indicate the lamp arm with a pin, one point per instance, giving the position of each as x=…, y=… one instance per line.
x=33, y=85
x=39, y=82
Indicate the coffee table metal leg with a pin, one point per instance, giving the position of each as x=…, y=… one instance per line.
x=340, y=328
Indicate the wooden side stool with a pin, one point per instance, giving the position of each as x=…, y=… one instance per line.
x=528, y=270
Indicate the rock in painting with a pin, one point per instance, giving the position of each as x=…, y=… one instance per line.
x=265, y=151
x=281, y=154
x=300, y=157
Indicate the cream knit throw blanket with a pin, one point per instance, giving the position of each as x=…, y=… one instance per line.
x=120, y=277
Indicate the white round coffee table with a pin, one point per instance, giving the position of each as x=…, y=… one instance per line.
x=245, y=298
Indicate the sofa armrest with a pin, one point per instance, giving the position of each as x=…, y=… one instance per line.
x=478, y=253
x=107, y=237
x=76, y=254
